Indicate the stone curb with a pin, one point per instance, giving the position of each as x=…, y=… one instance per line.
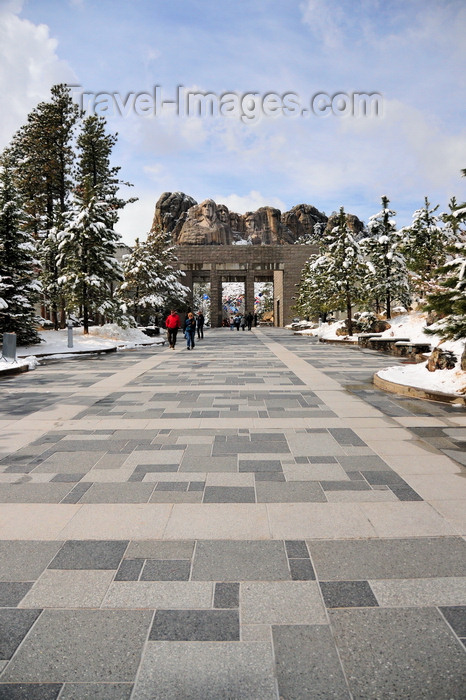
x=14, y=370
x=416, y=392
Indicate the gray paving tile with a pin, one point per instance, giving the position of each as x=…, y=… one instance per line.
x=229, y=494
x=455, y=615
x=153, y=549
x=355, y=560
x=354, y=463
x=14, y=626
x=230, y=560
x=409, y=653
x=195, y=626
x=96, y=691
x=347, y=594
x=33, y=493
x=296, y=549
x=345, y=485
x=220, y=463
x=301, y=570
x=118, y=493
x=129, y=570
x=92, y=645
x=281, y=602
x=260, y=465
x=176, y=670
x=68, y=589
x=70, y=462
x=289, y=492
x=90, y=554
x=25, y=561
x=30, y=691
x=11, y=593
x=307, y=663
x=226, y=595
x=166, y=570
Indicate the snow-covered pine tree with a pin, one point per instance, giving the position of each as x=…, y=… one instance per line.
x=316, y=294
x=450, y=300
x=347, y=267
x=424, y=247
x=87, y=243
x=388, y=281
x=332, y=280
x=44, y=156
x=87, y=247
x=19, y=287
x=151, y=276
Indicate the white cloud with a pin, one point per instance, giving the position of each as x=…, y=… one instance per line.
x=249, y=202
x=29, y=67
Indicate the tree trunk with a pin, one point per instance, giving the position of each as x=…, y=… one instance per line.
x=349, y=315
x=85, y=312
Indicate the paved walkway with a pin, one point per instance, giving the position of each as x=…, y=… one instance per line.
x=251, y=520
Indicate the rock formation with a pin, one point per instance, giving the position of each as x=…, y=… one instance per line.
x=302, y=218
x=355, y=225
x=209, y=223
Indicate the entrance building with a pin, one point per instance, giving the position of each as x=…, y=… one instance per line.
x=280, y=264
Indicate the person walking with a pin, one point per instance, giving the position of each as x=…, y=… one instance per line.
x=243, y=322
x=249, y=320
x=200, y=324
x=190, y=330
x=172, y=323
x=237, y=321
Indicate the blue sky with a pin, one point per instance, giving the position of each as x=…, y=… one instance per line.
x=412, y=53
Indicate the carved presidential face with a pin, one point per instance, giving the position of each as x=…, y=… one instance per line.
x=251, y=223
x=208, y=210
x=223, y=214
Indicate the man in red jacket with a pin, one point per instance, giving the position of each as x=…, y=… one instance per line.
x=172, y=324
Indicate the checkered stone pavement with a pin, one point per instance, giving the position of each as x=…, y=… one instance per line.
x=252, y=520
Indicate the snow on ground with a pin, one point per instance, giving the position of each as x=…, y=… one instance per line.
x=55, y=343
x=449, y=381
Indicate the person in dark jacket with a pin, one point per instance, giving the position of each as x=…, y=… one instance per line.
x=172, y=323
x=190, y=330
x=200, y=324
x=249, y=320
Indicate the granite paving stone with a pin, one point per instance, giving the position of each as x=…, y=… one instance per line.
x=281, y=602
x=228, y=560
x=25, y=561
x=68, y=589
x=94, y=646
x=343, y=560
x=455, y=615
x=206, y=671
x=30, y=691
x=11, y=593
x=301, y=570
x=295, y=492
x=347, y=594
x=96, y=691
x=14, y=626
x=195, y=626
x=159, y=594
x=405, y=653
x=307, y=663
x=226, y=595
x=77, y=554
x=166, y=570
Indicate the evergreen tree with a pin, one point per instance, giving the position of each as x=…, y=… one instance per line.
x=450, y=299
x=332, y=280
x=151, y=276
x=388, y=281
x=19, y=288
x=87, y=247
x=424, y=247
x=316, y=293
x=44, y=156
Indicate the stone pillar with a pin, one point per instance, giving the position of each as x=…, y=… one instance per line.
x=278, y=298
x=249, y=293
x=187, y=280
x=215, y=300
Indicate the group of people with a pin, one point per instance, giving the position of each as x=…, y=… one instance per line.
x=191, y=325
x=243, y=320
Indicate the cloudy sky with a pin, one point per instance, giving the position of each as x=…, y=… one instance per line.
x=410, y=52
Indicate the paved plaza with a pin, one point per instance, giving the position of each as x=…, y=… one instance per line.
x=251, y=520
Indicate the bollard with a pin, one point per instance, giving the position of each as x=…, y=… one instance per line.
x=9, y=347
x=70, y=333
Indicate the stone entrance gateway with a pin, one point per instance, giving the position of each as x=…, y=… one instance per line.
x=280, y=264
